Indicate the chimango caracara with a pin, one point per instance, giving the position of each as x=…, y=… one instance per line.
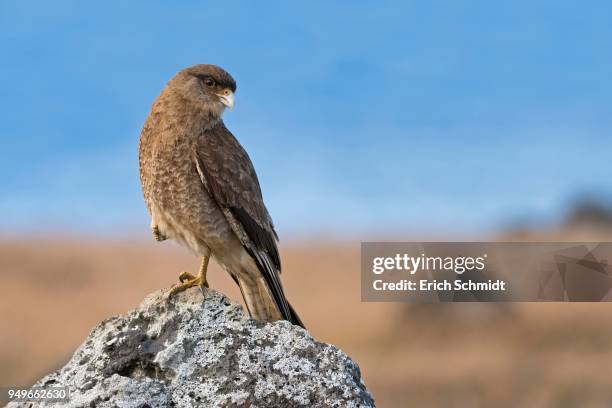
x=202, y=191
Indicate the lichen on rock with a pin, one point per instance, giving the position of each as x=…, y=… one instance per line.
x=192, y=351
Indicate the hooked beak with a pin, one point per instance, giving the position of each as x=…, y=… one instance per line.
x=227, y=99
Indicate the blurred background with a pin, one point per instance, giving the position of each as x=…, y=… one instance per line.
x=437, y=120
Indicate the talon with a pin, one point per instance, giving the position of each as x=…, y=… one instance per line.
x=186, y=276
x=188, y=280
x=184, y=286
x=158, y=235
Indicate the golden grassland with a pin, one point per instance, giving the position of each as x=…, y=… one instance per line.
x=459, y=355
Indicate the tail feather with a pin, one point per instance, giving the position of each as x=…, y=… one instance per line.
x=261, y=305
x=295, y=319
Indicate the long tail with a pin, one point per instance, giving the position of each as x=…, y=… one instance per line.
x=260, y=304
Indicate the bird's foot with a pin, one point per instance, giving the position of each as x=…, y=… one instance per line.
x=188, y=281
x=186, y=276
x=158, y=235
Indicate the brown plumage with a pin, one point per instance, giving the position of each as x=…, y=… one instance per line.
x=201, y=190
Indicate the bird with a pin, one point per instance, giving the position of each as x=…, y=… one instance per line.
x=201, y=190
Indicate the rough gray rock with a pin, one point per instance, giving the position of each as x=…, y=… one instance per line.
x=196, y=352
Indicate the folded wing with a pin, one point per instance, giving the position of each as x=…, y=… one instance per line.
x=228, y=175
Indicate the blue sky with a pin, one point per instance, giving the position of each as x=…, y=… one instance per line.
x=359, y=116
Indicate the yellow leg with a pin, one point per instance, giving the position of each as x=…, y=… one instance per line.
x=188, y=280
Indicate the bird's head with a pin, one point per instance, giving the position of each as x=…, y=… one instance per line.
x=207, y=86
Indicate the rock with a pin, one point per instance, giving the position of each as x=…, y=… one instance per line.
x=196, y=352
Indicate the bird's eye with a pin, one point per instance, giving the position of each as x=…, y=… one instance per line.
x=209, y=82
